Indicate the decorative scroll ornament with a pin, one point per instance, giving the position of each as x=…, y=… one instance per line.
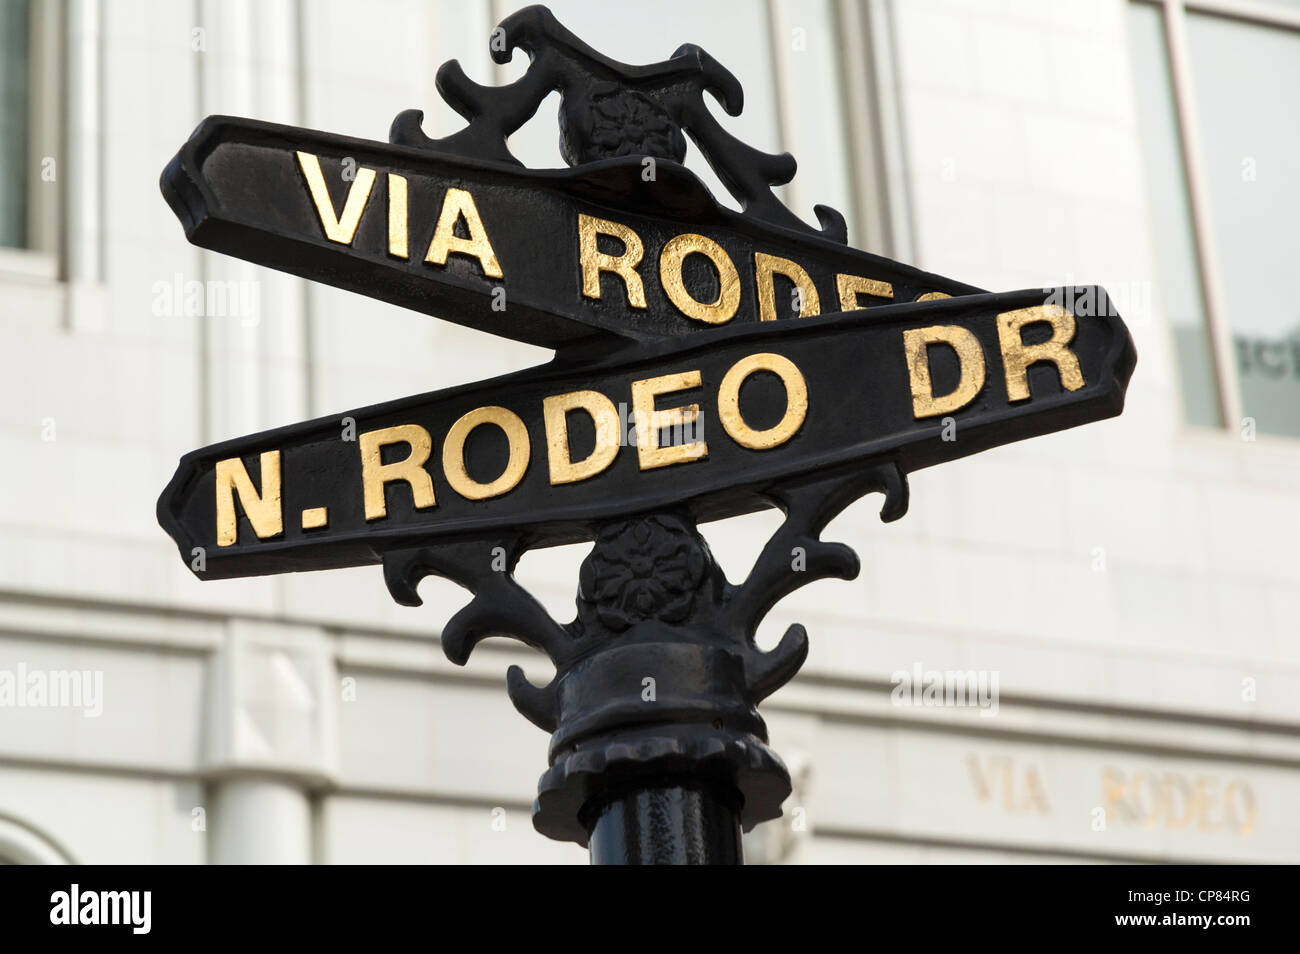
x=609, y=110
x=653, y=604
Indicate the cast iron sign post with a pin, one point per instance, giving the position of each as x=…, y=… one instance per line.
x=765, y=363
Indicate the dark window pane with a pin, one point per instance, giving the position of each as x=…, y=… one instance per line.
x=15, y=34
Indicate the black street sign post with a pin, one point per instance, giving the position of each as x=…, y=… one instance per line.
x=708, y=363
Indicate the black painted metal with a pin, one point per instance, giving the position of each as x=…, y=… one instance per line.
x=657, y=753
x=859, y=421
x=667, y=823
x=224, y=180
x=610, y=109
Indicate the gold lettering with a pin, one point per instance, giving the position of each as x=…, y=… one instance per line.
x=796, y=401
x=344, y=227
x=1008, y=801
x=457, y=204
x=1181, y=803
x=1206, y=788
x=671, y=260
x=1245, y=824
x=375, y=474
x=916, y=346
x=453, y=453
x=851, y=286
x=765, y=266
x=397, y=216
x=262, y=509
x=1035, y=794
x=1174, y=801
x=982, y=787
x=1114, y=795
x=555, y=412
x=1143, y=784
x=1018, y=356
x=1021, y=788
x=649, y=422
x=594, y=261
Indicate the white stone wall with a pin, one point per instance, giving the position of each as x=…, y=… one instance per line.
x=315, y=703
x=1021, y=156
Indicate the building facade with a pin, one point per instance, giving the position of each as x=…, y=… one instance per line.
x=1126, y=596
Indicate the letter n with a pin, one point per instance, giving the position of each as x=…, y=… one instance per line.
x=262, y=508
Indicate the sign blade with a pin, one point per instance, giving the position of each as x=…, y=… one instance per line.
x=992, y=369
x=498, y=247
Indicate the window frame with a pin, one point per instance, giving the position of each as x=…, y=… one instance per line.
x=24, y=844
x=40, y=259
x=1174, y=21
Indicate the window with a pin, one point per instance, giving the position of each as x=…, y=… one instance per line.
x=21, y=844
x=1218, y=87
x=31, y=118
x=15, y=76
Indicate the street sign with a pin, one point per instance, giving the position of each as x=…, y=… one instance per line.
x=710, y=423
x=707, y=363
x=609, y=252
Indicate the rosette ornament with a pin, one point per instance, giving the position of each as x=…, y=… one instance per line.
x=643, y=569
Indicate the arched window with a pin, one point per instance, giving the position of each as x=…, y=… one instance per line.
x=21, y=844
